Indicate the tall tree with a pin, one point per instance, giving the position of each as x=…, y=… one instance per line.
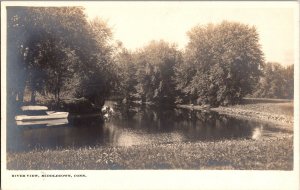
x=97, y=73
x=16, y=52
x=54, y=45
x=155, y=72
x=127, y=69
x=226, y=58
x=38, y=32
x=183, y=76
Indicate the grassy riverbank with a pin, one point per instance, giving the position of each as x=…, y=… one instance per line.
x=270, y=110
x=275, y=153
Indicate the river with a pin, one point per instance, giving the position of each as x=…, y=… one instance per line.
x=130, y=125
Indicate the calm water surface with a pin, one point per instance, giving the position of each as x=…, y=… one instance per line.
x=134, y=125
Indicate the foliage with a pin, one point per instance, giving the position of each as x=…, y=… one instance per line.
x=97, y=72
x=38, y=32
x=221, y=63
x=184, y=73
x=58, y=51
x=155, y=72
x=51, y=48
x=147, y=74
x=16, y=68
x=126, y=78
x=276, y=82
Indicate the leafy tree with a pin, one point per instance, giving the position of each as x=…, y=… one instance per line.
x=42, y=35
x=55, y=47
x=60, y=68
x=276, y=82
x=289, y=78
x=155, y=72
x=223, y=61
x=16, y=51
x=97, y=73
x=125, y=64
x=184, y=73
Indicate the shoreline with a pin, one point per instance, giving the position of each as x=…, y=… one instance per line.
x=246, y=111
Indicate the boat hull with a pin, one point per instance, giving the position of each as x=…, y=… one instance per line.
x=48, y=122
x=55, y=115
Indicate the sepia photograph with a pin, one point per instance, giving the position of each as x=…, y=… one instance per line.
x=149, y=86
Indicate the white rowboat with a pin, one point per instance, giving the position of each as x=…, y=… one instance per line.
x=51, y=122
x=39, y=113
x=54, y=115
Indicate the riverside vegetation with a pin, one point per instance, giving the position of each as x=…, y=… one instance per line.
x=59, y=53
x=56, y=56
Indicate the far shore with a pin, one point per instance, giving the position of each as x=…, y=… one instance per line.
x=277, y=111
x=270, y=110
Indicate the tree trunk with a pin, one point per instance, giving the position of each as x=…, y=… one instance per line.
x=58, y=92
x=21, y=96
x=57, y=88
x=55, y=95
x=33, y=93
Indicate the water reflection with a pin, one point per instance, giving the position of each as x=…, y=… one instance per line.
x=192, y=125
x=134, y=125
x=257, y=132
x=76, y=133
x=51, y=122
x=127, y=137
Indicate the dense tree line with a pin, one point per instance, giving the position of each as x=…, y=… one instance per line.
x=50, y=49
x=221, y=64
x=57, y=50
x=148, y=74
x=276, y=82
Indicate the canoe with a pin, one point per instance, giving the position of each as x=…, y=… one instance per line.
x=50, y=115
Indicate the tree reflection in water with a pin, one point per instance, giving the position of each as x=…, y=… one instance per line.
x=136, y=125
x=194, y=125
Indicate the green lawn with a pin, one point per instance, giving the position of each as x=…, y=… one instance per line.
x=275, y=153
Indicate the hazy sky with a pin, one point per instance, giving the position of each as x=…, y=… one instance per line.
x=137, y=23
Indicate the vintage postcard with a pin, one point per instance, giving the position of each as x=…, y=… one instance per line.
x=150, y=95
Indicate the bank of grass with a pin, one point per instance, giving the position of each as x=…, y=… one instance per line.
x=274, y=153
x=270, y=110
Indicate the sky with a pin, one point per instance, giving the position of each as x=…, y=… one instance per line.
x=137, y=23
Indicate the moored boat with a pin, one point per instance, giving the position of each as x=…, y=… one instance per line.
x=39, y=113
x=47, y=122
